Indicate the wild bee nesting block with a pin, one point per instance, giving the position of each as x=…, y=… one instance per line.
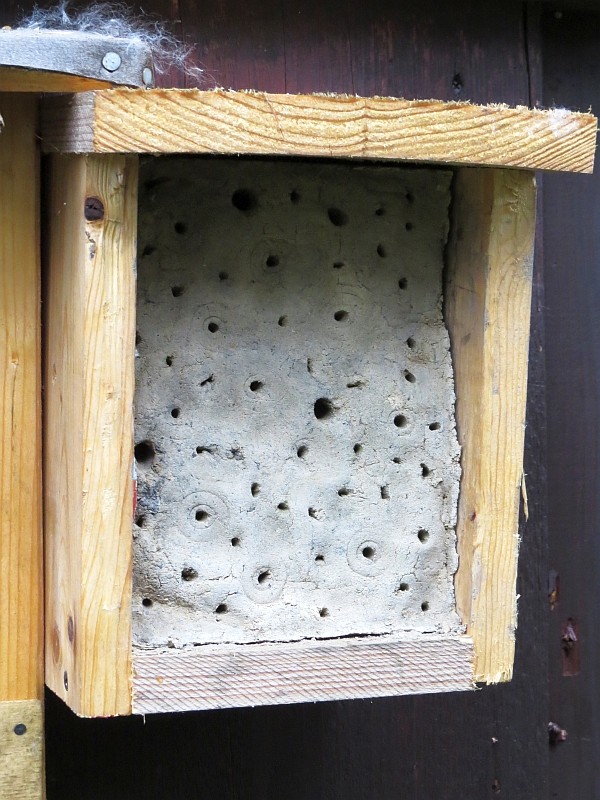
x=297, y=459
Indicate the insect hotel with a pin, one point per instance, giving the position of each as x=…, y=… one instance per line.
x=285, y=372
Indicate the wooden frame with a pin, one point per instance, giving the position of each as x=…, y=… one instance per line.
x=89, y=379
x=21, y=567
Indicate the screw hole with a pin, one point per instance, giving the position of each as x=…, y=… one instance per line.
x=400, y=421
x=177, y=291
x=201, y=515
x=180, y=227
x=213, y=327
x=283, y=506
x=409, y=376
x=357, y=448
x=409, y=226
x=410, y=342
x=339, y=316
x=409, y=197
x=272, y=261
x=423, y=535
x=435, y=426
x=146, y=602
x=368, y=552
x=343, y=492
x=235, y=542
x=396, y=460
x=380, y=212
x=338, y=264
x=189, y=574
x=148, y=250
x=221, y=608
x=337, y=217
x=320, y=559
x=425, y=606
x=169, y=361
x=323, y=612
x=144, y=452
x=256, y=386
x=223, y=276
x=302, y=451
x=323, y=408
x=403, y=283
x=255, y=489
x=425, y=470
x=294, y=197
x=403, y=587
x=282, y=321
x=175, y=412
x=244, y=200
x=381, y=251
x=385, y=493
x=141, y=521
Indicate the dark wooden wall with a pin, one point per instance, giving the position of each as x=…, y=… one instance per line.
x=494, y=742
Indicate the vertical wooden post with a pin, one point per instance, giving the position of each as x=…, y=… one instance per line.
x=88, y=432
x=21, y=591
x=490, y=259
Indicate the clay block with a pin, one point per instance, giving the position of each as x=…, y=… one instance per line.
x=296, y=452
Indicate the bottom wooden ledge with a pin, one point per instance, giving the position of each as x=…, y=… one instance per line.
x=22, y=750
x=226, y=676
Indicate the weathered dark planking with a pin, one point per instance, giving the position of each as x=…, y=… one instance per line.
x=572, y=79
x=423, y=747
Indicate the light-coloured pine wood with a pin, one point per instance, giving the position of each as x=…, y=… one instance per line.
x=21, y=592
x=22, y=750
x=490, y=258
x=88, y=432
x=17, y=79
x=219, y=121
x=222, y=676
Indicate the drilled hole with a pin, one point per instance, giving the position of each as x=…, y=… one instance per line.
x=435, y=426
x=400, y=421
x=302, y=451
x=256, y=386
x=380, y=211
x=425, y=606
x=175, y=412
x=272, y=260
x=337, y=217
x=201, y=515
x=235, y=542
x=244, y=200
x=144, y=452
x=294, y=197
x=409, y=226
x=409, y=376
x=203, y=449
x=93, y=209
x=138, y=338
x=255, y=489
x=177, y=291
x=340, y=315
x=169, y=361
x=396, y=460
x=425, y=470
x=343, y=492
x=403, y=587
x=141, y=520
x=264, y=576
x=357, y=448
x=283, y=506
x=320, y=559
x=403, y=283
x=323, y=408
x=381, y=251
x=368, y=552
x=423, y=535
x=180, y=228
x=312, y=512
x=385, y=492
x=410, y=342
x=213, y=327
x=223, y=276
x=338, y=264
x=323, y=612
x=409, y=197
x=282, y=321
x=221, y=608
x=148, y=250
x=146, y=602
x=189, y=574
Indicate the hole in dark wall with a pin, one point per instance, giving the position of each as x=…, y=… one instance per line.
x=180, y=228
x=244, y=200
x=337, y=217
x=144, y=452
x=323, y=408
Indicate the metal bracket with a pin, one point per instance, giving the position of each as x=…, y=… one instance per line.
x=30, y=54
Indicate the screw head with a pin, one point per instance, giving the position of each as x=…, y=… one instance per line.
x=20, y=729
x=147, y=76
x=111, y=62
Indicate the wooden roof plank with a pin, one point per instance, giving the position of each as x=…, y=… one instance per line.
x=232, y=122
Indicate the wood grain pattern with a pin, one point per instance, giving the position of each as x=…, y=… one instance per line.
x=17, y=79
x=22, y=750
x=224, y=676
x=88, y=432
x=21, y=595
x=192, y=121
x=488, y=310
